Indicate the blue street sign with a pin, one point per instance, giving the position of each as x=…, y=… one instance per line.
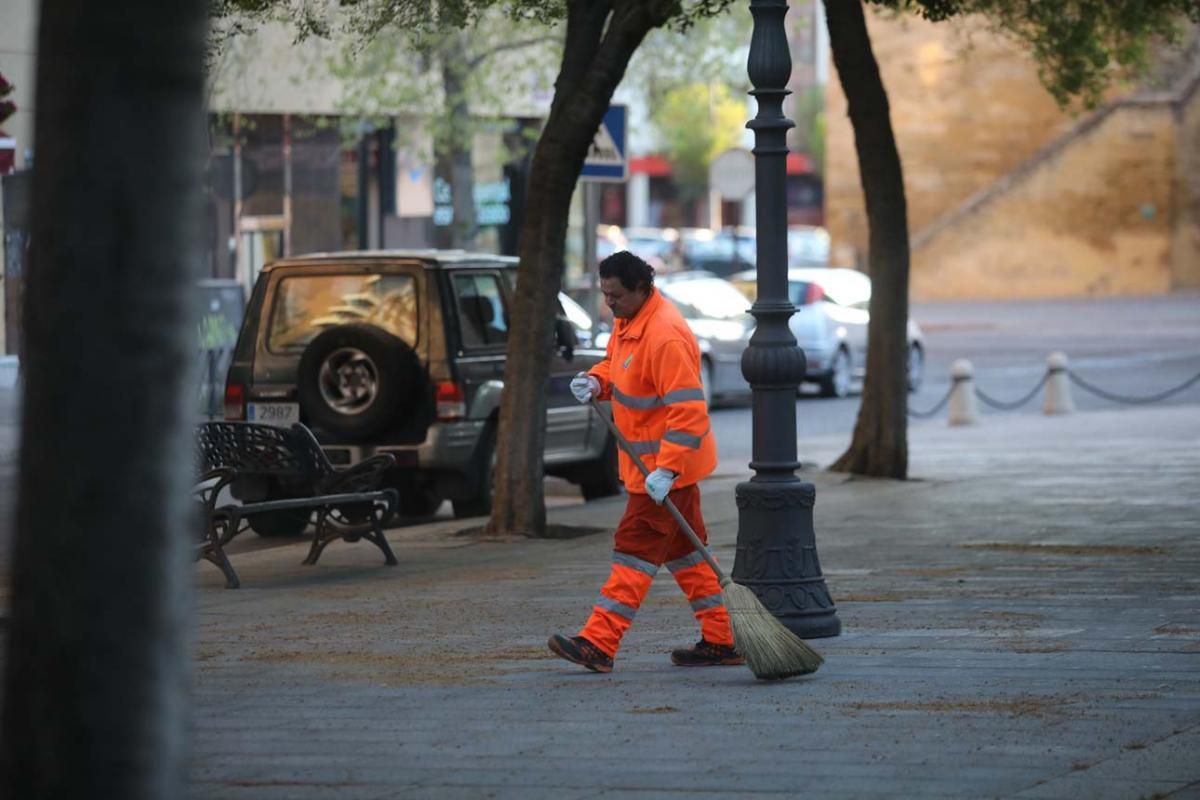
x=606, y=159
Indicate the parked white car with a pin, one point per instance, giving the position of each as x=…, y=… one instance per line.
x=719, y=316
x=830, y=325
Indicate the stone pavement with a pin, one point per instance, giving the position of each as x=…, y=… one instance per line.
x=1021, y=620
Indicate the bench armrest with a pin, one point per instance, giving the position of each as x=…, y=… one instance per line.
x=208, y=485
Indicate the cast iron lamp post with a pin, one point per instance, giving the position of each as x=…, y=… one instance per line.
x=776, y=544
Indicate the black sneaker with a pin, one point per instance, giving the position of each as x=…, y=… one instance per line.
x=581, y=651
x=707, y=654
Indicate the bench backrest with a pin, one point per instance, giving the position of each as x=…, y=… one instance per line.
x=252, y=448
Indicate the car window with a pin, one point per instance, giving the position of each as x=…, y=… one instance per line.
x=648, y=247
x=575, y=313
x=846, y=287
x=305, y=305
x=481, y=313
x=709, y=249
x=747, y=286
x=808, y=246
x=710, y=298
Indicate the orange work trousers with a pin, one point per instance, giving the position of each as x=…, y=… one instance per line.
x=647, y=538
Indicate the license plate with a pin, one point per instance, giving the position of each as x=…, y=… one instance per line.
x=281, y=414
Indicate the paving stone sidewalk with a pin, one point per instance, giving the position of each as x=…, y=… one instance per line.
x=1021, y=620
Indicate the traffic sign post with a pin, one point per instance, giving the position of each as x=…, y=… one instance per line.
x=732, y=173
x=606, y=160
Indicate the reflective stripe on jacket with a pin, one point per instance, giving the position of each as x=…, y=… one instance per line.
x=652, y=376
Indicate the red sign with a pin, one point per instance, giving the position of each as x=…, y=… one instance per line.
x=8, y=154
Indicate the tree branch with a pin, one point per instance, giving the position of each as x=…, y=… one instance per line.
x=585, y=28
x=473, y=63
x=630, y=22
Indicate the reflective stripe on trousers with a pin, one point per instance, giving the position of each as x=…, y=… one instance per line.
x=697, y=580
x=646, y=538
x=619, y=600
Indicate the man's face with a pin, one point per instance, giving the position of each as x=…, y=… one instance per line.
x=623, y=302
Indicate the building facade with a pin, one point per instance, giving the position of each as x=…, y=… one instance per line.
x=1009, y=195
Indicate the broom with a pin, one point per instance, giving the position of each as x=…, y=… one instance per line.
x=771, y=651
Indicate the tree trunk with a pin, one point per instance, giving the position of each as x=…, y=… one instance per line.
x=96, y=683
x=456, y=143
x=880, y=443
x=601, y=37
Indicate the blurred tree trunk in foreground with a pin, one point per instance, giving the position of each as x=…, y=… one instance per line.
x=96, y=683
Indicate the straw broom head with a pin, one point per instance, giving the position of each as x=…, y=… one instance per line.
x=771, y=651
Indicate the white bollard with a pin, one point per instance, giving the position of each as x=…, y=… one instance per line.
x=963, y=408
x=1058, y=387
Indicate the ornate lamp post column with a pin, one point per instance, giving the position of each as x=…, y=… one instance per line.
x=776, y=544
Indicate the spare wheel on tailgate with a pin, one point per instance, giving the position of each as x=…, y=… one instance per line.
x=356, y=380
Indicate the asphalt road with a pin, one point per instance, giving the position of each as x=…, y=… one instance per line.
x=1134, y=347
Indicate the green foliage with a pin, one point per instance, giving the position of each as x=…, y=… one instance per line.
x=422, y=17
x=810, y=117
x=696, y=122
x=456, y=81
x=440, y=59
x=1080, y=45
x=816, y=143
x=215, y=332
x=712, y=49
x=416, y=27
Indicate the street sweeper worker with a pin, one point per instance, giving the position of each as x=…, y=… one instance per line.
x=651, y=373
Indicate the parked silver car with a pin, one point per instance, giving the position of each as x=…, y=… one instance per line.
x=830, y=325
x=719, y=316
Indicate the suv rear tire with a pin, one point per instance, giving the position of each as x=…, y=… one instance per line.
x=419, y=501
x=837, y=382
x=602, y=477
x=479, y=502
x=356, y=380
x=280, y=524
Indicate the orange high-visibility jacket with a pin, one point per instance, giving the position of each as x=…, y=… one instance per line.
x=652, y=376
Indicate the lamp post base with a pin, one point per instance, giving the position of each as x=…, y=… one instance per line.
x=777, y=556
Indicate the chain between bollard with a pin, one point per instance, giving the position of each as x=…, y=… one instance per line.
x=1116, y=398
x=1012, y=406
x=940, y=403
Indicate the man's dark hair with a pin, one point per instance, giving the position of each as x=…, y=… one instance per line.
x=631, y=270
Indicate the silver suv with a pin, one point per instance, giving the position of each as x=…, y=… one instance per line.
x=403, y=352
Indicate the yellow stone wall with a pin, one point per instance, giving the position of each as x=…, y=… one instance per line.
x=1093, y=218
x=966, y=108
x=1185, y=244
x=1059, y=204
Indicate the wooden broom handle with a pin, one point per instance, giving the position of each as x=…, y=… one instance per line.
x=683, y=523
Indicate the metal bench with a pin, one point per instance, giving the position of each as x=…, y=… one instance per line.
x=348, y=503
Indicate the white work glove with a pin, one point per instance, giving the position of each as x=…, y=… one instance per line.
x=584, y=387
x=658, y=483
